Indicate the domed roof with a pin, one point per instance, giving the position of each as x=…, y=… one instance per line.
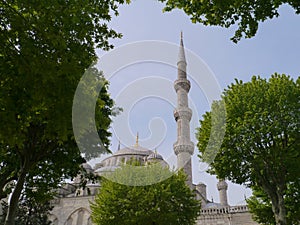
x=154, y=155
x=106, y=169
x=212, y=205
x=127, y=154
x=87, y=167
x=133, y=150
x=201, y=184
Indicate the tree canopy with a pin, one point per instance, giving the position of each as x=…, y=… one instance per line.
x=46, y=46
x=246, y=14
x=261, y=143
x=168, y=202
x=33, y=207
x=260, y=205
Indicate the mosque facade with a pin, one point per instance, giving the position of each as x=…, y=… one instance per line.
x=72, y=205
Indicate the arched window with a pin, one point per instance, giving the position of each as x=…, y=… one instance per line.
x=69, y=221
x=79, y=217
x=89, y=221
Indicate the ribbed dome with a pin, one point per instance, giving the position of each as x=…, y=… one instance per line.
x=126, y=155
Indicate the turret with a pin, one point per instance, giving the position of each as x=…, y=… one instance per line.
x=201, y=188
x=222, y=188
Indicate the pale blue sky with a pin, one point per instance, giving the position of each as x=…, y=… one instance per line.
x=275, y=48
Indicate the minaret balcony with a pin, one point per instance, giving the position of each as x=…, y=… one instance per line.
x=182, y=84
x=183, y=113
x=183, y=147
x=222, y=185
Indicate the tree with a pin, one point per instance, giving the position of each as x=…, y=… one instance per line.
x=260, y=205
x=168, y=202
x=31, y=210
x=33, y=205
x=247, y=14
x=261, y=143
x=46, y=46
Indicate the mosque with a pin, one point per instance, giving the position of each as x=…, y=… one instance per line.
x=71, y=207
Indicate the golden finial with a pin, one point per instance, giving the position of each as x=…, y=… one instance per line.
x=137, y=139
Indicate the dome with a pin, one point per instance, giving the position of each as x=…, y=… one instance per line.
x=87, y=167
x=106, y=169
x=201, y=184
x=154, y=156
x=134, y=150
x=126, y=155
x=212, y=205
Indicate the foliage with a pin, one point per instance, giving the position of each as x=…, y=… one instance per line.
x=134, y=174
x=261, y=207
x=261, y=143
x=92, y=100
x=167, y=202
x=32, y=210
x=46, y=46
x=246, y=14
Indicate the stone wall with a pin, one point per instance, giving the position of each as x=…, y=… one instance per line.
x=76, y=211
x=232, y=215
x=71, y=211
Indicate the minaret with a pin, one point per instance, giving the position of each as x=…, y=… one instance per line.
x=222, y=188
x=183, y=147
x=137, y=140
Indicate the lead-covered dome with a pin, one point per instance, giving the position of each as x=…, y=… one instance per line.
x=134, y=150
x=154, y=156
x=126, y=155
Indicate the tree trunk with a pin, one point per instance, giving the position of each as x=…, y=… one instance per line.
x=279, y=210
x=12, y=208
x=276, y=193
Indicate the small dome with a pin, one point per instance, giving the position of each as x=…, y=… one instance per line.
x=106, y=169
x=87, y=167
x=154, y=156
x=212, y=205
x=201, y=184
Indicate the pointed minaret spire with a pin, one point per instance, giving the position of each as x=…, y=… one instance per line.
x=183, y=147
x=119, y=145
x=137, y=139
x=181, y=54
